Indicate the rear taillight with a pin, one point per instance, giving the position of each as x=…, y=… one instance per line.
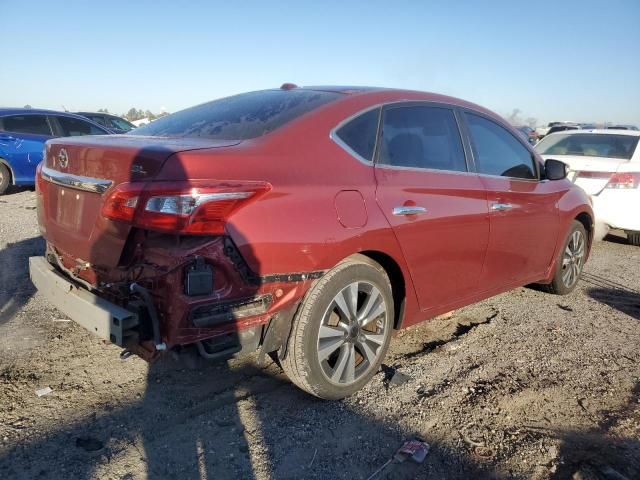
x=624, y=180
x=122, y=202
x=594, y=175
x=40, y=182
x=185, y=207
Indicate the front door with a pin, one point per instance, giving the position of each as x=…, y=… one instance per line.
x=436, y=207
x=523, y=211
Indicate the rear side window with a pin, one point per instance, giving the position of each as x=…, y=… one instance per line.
x=99, y=120
x=497, y=151
x=33, y=124
x=360, y=133
x=244, y=116
x=74, y=127
x=422, y=137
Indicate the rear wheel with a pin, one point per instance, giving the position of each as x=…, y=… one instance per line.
x=570, y=262
x=342, y=330
x=5, y=178
x=634, y=238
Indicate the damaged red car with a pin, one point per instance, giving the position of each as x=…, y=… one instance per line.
x=308, y=224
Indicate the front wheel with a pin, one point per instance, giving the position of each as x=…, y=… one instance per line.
x=342, y=330
x=571, y=261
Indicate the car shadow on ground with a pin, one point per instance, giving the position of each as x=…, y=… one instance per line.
x=15, y=287
x=599, y=453
x=213, y=424
x=626, y=301
x=616, y=236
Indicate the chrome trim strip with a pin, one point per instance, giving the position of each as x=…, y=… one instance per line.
x=334, y=136
x=78, y=182
x=384, y=166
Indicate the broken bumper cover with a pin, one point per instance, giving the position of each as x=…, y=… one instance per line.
x=102, y=318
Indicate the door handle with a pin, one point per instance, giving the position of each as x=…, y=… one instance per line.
x=499, y=207
x=6, y=137
x=408, y=210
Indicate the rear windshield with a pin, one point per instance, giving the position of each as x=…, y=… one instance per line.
x=244, y=116
x=589, y=145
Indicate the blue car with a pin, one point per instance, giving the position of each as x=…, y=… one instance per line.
x=23, y=132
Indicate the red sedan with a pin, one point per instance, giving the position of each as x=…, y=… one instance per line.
x=307, y=223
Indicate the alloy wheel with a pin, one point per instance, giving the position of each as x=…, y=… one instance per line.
x=352, y=332
x=573, y=259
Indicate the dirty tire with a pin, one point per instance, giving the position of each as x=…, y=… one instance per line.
x=633, y=238
x=5, y=178
x=302, y=364
x=558, y=286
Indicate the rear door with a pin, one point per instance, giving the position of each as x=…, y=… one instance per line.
x=523, y=209
x=436, y=207
x=22, y=140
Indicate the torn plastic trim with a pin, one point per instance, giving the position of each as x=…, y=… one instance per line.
x=212, y=314
x=250, y=277
x=55, y=259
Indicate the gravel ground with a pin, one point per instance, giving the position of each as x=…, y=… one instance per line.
x=523, y=385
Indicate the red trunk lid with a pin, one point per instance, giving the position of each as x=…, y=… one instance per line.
x=69, y=215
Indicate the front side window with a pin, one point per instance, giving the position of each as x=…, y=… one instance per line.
x=497, y=151
x=422, y=137
x=241, y=117
x=360, y=133
x=74, y=127
x=589, y=145
x=33, y=124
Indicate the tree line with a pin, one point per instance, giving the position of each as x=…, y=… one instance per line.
x=137, y=114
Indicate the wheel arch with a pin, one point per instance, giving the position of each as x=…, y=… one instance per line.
x=587, y=221
x=12, y=179
x=396, y=278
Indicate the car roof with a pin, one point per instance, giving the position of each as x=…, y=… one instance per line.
x=34, y=111
x=346, y=89
x=600, y=131
x=99, y=113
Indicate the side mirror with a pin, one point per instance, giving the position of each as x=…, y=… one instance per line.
x=555, y=169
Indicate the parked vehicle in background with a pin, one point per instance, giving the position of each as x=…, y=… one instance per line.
x=621, y=127
x=606, y=164
x=553, y=127
x=112, y=122
x=528, y=133
x=23, y=132
x=307, y=223
x=562, y=128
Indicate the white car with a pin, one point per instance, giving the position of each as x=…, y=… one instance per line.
x=606, y=164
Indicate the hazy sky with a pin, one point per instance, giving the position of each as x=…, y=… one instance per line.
x=553, y=60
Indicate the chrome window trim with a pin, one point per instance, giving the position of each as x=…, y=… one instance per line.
x=78, y=182
x=384, y=166
x=453, y=106
x=333, y=135
x=455, y=172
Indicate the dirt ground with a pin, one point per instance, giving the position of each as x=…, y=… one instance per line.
x=523, y=385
